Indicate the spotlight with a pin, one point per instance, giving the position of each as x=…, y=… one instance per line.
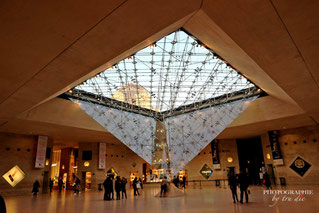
x=152, y=46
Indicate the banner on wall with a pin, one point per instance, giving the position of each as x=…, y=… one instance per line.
x=275, y=148
x=41, y=151
x=215, y=155
x=102, y=151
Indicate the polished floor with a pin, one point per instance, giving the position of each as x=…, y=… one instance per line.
x=207, y=199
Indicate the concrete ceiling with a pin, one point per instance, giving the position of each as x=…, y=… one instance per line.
x=48, y=47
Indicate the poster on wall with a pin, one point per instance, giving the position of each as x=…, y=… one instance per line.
x=275, y=148
x=41, y=151
x=215, y=155
x=102, y=151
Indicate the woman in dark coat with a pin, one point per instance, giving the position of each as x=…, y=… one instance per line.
x=36, y=186
x=118, y=188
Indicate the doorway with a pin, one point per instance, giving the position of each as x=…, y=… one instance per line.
x=45, y=182
x=250, y=157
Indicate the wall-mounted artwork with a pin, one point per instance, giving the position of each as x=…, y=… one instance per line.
x=14, y=176
x=300, y=166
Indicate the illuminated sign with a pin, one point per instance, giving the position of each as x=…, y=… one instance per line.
x=206, y=171
x=14, y=176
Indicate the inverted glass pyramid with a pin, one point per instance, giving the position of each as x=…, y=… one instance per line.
x=176, y=78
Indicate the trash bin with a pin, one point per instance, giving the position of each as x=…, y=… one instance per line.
x=282, y=181
x=217, y=182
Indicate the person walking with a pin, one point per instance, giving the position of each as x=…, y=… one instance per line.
x=36, y=186
x=232, y=181
x=50, y=185
x=77, y=186
x=243, y=185
x=123, y=185
x=118, y=188
x=60, y=184
x=164, y=186
x=135, y=182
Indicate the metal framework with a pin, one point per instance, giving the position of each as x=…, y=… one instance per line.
x=177, y=74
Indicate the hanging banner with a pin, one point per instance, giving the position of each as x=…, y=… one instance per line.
x=275, y=148
x=102, y=151
x=41, y=151
x=215, y=155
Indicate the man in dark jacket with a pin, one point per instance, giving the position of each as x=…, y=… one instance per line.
x=118, y=187
x=243, y=184
x=106, y=189
x=123, y=185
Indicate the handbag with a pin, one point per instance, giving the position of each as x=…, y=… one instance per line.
x=138, y=186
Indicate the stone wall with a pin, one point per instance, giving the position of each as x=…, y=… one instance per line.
x=118, y=156
x=302, y=142
x=20, y=150
x=227, y=148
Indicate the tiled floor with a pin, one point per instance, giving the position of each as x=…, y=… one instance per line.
x=207, y=199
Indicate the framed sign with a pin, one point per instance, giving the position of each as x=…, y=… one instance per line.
x=14, y=176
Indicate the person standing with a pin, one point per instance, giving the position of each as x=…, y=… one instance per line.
x=111, y=188
x=184, y=182
x=118, y=188
x=135, y=182
x=232, y=181
x=106, y=189
x=60, y=184
x=36, y=186
x=50, y=185
x=140, y=182
x=261, y=177
x=123, y=184
x=243, y=185
x=267, y=181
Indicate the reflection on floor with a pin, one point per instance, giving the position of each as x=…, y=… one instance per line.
x=207, y=199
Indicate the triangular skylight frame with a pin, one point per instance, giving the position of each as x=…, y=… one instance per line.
x=97, y=98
